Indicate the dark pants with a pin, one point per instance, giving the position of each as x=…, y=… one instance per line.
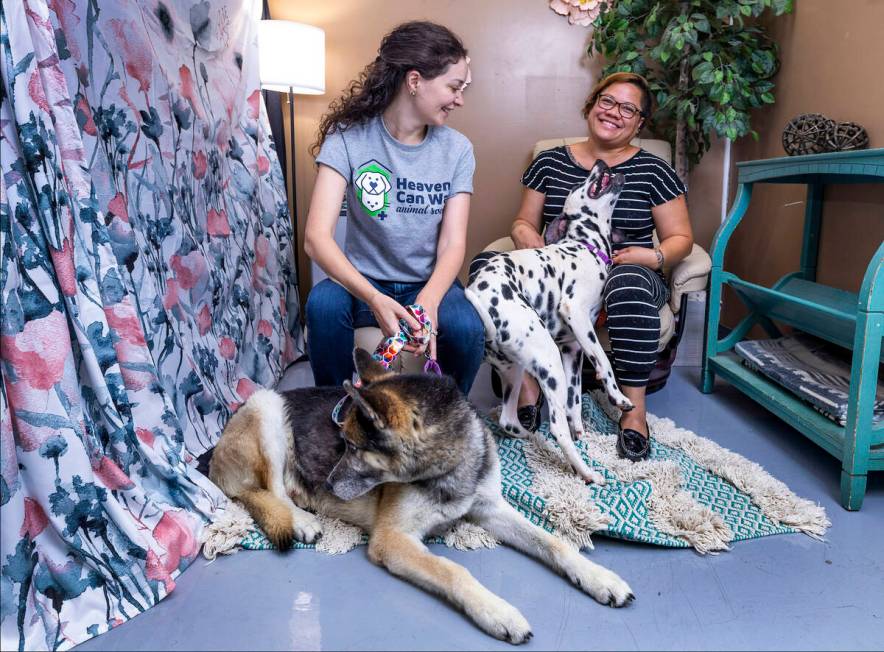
x=333, y=314
x=633, y=297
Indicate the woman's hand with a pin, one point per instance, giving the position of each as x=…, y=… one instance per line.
x=526, y=236
x=388, y=312
x=528, y=222
x=636, y=256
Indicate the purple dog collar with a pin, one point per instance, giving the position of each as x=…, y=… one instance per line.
x=598, y=252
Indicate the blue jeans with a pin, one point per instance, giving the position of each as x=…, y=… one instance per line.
x=333, y=314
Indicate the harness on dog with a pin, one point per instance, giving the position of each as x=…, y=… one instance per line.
x=390, y=348
x=598, y=252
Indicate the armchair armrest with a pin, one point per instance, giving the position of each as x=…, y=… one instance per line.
x=689, y=275
x=501, y=244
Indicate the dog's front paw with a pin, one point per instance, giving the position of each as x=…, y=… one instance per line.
x=592, y=477
x=621, y=402
x=603, y=585
x=307, y=528
x=502, y=620
x=515, y=430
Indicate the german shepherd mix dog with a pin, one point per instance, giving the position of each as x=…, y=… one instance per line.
x=412, y=457
x=539, y=306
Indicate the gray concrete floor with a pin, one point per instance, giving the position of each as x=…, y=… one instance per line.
x=780, y=592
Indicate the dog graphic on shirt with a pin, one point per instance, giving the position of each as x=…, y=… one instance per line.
x=373, y=187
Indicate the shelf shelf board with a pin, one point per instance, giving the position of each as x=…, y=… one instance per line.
x=860, y=166
x=800, y=415
x=817, y=309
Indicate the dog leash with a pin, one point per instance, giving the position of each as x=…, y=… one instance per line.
x=598, y=252
x=390, y=348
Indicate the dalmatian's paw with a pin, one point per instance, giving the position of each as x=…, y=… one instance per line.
x=515, y=430
x=621, y=402
x=592, y=477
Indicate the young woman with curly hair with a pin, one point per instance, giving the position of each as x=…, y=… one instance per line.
x=406, y=178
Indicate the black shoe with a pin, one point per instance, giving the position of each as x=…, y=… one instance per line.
x=632, y=445
x=529, y=415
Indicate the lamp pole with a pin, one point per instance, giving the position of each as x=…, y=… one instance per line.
x=294, y=186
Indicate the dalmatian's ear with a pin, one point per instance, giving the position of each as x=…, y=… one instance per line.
x=386, y=183
x=556, y=229
x=360, y=180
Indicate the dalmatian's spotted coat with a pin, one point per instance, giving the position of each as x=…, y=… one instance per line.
x=539, y=306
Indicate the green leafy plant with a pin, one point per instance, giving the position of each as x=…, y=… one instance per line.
x=709, y=63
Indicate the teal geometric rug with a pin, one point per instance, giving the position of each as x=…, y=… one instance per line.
x=626, y=503
x=631, y=507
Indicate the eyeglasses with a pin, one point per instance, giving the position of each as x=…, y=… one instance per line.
x=627, y=110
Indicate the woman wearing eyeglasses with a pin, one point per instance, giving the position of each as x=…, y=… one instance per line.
x=653, y=197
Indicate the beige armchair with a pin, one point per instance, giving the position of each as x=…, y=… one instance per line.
x=689, y=275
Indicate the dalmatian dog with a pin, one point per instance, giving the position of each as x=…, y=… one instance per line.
x=373, y=186
x=539, y=306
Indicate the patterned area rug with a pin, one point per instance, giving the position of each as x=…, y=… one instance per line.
x=627, y=502
x=689, y=493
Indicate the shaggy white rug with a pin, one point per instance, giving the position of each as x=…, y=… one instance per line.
x=690, y=492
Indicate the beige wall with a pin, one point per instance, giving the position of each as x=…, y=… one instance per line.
x=530, y=78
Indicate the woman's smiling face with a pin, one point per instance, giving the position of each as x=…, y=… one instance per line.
x=436, y=98
x=607, y=125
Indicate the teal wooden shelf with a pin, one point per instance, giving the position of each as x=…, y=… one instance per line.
x=826, y=312
x=853, y=321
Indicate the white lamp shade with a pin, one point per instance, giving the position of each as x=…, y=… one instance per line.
x=292, y=55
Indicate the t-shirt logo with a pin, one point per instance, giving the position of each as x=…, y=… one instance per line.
x=373, y=188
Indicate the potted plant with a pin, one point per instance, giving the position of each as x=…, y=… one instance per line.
x=709, y=63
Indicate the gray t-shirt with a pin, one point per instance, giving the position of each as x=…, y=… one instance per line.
x=396, y=194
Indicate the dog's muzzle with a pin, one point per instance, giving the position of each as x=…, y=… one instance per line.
x=607, y=182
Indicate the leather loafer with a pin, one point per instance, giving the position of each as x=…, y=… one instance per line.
x=529, y=415
x=632, y=445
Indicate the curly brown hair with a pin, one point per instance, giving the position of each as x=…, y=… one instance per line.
x=423, y=46
x=637, y=80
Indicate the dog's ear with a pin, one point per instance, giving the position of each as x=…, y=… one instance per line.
x=387, y=186
x=556, y=229
x=363, y=406
x=368, y=369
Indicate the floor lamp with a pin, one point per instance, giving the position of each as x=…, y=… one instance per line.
x=292, y=60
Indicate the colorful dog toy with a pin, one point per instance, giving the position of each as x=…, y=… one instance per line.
x=390, y=347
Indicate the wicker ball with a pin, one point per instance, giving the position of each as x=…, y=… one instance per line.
x=843, y=136
x=806, y=134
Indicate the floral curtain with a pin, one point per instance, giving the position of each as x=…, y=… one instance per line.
x=146, y=286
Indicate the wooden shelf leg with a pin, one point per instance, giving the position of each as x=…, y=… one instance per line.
x=713, y=316
x=861, y=402
x=711, y=345
x=853, y=490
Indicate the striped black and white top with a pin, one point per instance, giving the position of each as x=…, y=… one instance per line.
x=649, y=181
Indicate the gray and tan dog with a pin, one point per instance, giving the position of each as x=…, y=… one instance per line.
x=539, y=306
x=412, y=457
